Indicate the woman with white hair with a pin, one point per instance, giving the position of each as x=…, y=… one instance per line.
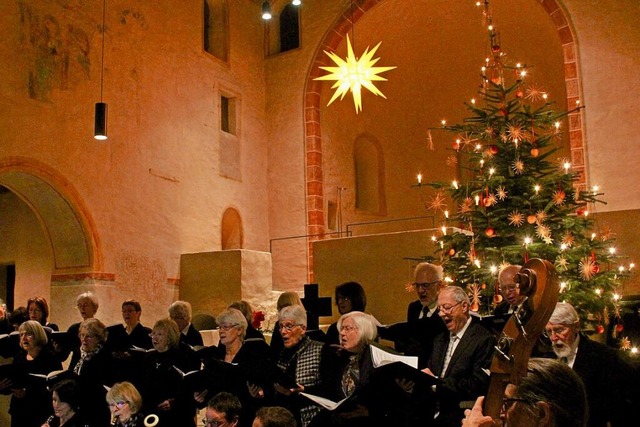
x=237, y=366
x=347, y=373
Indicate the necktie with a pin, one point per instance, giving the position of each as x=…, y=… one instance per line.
x=447, y=357
x=425, y=311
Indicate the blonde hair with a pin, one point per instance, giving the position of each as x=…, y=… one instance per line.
x=125, y=392
x=33, y=327
x=171, y=328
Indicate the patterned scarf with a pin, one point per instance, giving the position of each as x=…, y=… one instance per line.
x=351, y=375
x=84, y=357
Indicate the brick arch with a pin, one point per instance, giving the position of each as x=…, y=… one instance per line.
x=313, y=132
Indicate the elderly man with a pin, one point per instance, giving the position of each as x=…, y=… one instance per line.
x=510, y=290
x=609, y=380
x=180, y=312
x=299, y=363
x=551, y=395
x=461, y=357
x=422, y=315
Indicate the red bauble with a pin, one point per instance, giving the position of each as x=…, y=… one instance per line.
x=452, y=252
x=519, y=94
x=503, y=111
x=456, y=145
x=490, y=232
x=535, y=152
x=580, y=212
x=600, y=329
x=483, y=286
x=486, y=202
x=493, y=149
x=596, y=268
x=619, y=327
x=497, y=299
x=531, y=219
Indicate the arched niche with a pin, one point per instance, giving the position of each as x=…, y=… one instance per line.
x=232, y=234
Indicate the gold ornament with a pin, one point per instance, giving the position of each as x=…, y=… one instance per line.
x=430, y=141
x=568, y=239
x=517, y=166
x=516, y=133
x=516, y=218
x=541, y=216
x=501, y=193
x=466, y=206
x=452, y=160
x=588, y=268
x=534, y=93
x=543, y=231
x=562, y=263
x=625, y=343
x=558, y=197
x=438, y=201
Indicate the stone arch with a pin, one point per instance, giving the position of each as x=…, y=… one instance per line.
x=64, y=218
x=231, y=231
x=313, y=89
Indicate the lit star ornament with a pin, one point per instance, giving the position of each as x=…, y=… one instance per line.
x=353, y=74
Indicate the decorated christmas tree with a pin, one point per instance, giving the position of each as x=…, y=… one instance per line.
x=518, y=199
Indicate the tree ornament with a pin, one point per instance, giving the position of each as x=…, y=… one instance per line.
x=531, y=219
x=588, y=268
x=535, y=152
x=558, y=197
x=600, y=329
x=493, y=149
x=619, y=327
x=490, y=232
x=516, y=218
x=580, y=211
x=452, y=251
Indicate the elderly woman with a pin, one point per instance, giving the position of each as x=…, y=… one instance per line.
x=284, y=300
x=87, y=305
x=348, y=372
x=162, y=387
x=124, y=402
x=30, y=402
x=65, y=398
x=298, y=364
x=95, y=370
x=252, y=369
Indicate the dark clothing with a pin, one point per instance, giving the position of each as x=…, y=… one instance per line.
x=136, y=420
x=192, y=337
x=94, y=374
x=276, y=338
x=161, y=382
x=253, y=364
x=71, y=422
x=611, y=383
x=333, y=335
x=467, y=375
x=421, y=333
x=119, y=340
x=253, y=333
x=34, y=408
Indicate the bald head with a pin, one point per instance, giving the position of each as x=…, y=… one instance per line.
x=510, y=289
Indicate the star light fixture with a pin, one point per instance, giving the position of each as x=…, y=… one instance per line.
x=352, y=74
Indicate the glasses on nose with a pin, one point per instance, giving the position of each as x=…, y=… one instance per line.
x=212, y=423
x=558, y=331
x=226, y=327
x=507, y=403
x=88, y=336
x=348, y=328
x=117, y=405
x=448, y=308
x=288, y=327
x=511, y=289
x=425, y=285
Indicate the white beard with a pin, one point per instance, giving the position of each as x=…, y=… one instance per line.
x=562, y=350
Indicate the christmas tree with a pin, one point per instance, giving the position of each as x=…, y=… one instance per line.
x=518, y=200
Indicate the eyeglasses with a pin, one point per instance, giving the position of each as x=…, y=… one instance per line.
x=348, y=328
x=556, y=330
x=226, y=327
x=511, y=289
x=213, y=423
x=507, y=402
x=448, y=308
x=425, y=285
x=118, y=405
x=288, y=327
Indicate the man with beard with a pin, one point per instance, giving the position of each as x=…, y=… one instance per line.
x=609, y=380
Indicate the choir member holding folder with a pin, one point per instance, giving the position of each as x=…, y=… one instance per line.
x=30, y=400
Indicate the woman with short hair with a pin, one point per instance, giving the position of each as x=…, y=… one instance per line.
x=65, y=399
x=161, y=385
x=30, y=401
x=254, y=366
x=38, y=310
x=125, y=402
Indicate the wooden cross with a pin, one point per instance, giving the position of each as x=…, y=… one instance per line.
x=316, y=306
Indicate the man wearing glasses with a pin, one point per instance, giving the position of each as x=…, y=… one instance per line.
x=609, y=380
x=223, y=410
x=422, y=315
x=461, y=357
